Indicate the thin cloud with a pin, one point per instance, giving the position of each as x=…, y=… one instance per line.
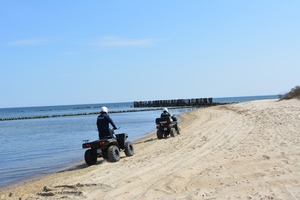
x=29, y=42
x=118, y=41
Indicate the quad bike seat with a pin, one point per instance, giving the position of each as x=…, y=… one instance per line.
x=106, y=137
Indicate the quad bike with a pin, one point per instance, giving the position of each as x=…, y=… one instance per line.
x=109, y=148
x=166, y=126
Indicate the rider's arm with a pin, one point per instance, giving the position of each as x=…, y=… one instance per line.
x=111, y=122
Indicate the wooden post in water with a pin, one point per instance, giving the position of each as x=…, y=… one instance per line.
x=175, y=103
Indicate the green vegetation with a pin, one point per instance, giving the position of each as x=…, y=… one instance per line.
x=294, y=93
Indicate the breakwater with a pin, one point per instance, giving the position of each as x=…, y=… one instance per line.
x=140, y=105
x=71, y=114
x=196, y=102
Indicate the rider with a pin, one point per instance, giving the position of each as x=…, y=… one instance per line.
x=166, y=113
x=103, y=122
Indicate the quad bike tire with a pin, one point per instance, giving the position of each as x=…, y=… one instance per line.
x=113, y=153
x=104, y=155
x=90, y=157
x=159, y=134
x=172, y=132
x=178, y=131
x=129, y=150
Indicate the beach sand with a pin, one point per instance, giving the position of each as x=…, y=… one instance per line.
x=247, y=150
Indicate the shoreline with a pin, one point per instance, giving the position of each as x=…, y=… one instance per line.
x=71, y=166
x=241, y=151
x=18, y=171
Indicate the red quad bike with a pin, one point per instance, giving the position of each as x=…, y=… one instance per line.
x=108, y=148
x=166, y=126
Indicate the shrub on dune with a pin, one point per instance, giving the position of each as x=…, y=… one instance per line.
x=294, y=93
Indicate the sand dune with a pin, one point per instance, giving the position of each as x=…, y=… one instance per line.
x=239, y=151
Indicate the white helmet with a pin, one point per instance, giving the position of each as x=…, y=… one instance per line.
x=104, y=109
x=165, y=110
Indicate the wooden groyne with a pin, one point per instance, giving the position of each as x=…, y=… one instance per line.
x=197, y=102
x=72, y=114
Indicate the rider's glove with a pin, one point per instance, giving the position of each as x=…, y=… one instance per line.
x=115, y=128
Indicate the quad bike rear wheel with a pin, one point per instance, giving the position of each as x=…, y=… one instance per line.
x=105, y=155
x=159, y=134
x=90, y=157
x=113, y=153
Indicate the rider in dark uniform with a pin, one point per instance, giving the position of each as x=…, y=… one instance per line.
x=166, y=113
x=103, y=122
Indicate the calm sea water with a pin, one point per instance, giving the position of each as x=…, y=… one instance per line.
x=33, y=147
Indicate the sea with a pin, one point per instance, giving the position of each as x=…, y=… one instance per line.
x=37, y=141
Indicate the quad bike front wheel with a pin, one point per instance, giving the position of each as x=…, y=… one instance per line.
x=90, y=157
x=113, y=154
x=178, y=131
x=172, y=132
x=129, y=150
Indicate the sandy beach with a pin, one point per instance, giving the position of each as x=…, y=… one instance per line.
x=247, y=150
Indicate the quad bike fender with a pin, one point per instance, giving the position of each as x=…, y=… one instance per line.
x=121, y=139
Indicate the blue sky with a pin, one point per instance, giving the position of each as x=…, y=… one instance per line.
x=80, y=52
